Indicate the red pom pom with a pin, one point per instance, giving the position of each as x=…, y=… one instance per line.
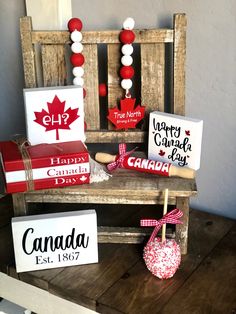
x=102, y=90
x=127, y=72
x=127, y=36
x=84, y=93
x=75, y=24
x=77, y=59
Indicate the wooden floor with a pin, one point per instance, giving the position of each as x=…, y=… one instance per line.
x=120, y=282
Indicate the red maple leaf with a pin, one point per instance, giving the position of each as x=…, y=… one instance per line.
x=56, y=117
x=162, y=152
x=187, y=132
x=127, y=116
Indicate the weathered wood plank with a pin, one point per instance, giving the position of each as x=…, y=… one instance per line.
x=101, y=37
x=152, y=76
x=28, y=53
x=141, y=292
x=54, y=65
x=129, y=235
x=19, y=204
x=212, y=287
x=105, y=136
x=115, y=92
x=180, y=24
x=91, y=101
x=127, y=187
x=182, y=229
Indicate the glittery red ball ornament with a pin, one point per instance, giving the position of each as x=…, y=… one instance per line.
x=77, y=59
x=127, y=72
x=102, y=90
x=127, y=36
x=162, y=258
x=74, y=24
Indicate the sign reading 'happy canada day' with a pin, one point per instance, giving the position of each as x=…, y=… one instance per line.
x=175, y=139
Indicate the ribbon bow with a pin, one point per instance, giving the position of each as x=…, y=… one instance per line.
x=172, y=218
x=118, y=163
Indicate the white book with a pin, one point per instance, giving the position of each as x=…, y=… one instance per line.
x=175, y=139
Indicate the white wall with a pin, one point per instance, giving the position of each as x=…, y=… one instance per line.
x=210, y=79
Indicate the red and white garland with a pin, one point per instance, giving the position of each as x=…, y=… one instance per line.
x=127, y=37
x=77, y=59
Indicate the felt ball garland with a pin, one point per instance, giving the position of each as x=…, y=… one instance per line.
x=77, y=58
x=127, y=37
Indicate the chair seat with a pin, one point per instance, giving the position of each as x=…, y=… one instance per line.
x=124, y=187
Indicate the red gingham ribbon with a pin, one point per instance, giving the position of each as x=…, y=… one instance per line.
x=171, y=218
x=119, y=160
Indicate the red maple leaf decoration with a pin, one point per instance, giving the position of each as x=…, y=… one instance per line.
x=162, y=152
x=187, y=132
x=127, y=116
x=56, y=117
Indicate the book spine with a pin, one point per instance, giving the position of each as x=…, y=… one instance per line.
x=48, y=172
x=48, y=161
x=16, y=187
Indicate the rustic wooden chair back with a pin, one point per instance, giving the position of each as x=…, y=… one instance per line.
x=51, y=50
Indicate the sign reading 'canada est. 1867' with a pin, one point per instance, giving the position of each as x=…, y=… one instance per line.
x=55, y=240
x=175, y=139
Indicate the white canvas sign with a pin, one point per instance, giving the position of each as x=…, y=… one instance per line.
x=175, y=139
x=55, y=240
x=54, y=114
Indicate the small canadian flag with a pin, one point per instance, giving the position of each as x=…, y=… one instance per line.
x=54, y=114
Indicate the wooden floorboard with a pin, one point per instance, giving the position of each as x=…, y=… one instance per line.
x=121, y=283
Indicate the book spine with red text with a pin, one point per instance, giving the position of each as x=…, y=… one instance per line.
x=48, y=172
x=47, y=183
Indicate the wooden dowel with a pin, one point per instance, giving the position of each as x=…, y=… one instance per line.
x=163, y=233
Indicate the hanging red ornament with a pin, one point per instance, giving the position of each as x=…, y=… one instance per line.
x=127, y=72
x=127, y=36
x=102, y=90
x=75, y=24
x=77, y=59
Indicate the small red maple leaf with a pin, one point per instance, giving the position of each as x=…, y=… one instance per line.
x=56, y=118
x=161, y=152
x=127, y=116
x=187, y=132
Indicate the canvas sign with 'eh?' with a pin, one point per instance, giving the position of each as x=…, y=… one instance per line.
x=54, y=114
x=55, y=240
x=175, y=139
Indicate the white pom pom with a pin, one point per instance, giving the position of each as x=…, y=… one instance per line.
x=128, y=23
x=126, y=60
x=77, y=47
x=127, y=49
x=76, y=36
x=78, y=81
x=78, y=71
x=126, y=84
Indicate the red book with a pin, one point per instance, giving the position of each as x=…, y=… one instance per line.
x=16, y=187
x=43, y=155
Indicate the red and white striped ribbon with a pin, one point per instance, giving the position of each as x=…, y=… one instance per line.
x=118, y=163
x=172, y=218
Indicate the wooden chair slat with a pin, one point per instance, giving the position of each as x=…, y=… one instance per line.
x=28, y=53
x=180, y=23
x=113, y=65
x=152, y=76
x=104, y=37
x=105, y=136
x=54, y=65
x=91, y=101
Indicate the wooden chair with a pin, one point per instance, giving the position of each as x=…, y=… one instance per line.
x=162, y=68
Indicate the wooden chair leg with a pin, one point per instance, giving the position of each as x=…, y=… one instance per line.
x=20, y=206
x=182, y=229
